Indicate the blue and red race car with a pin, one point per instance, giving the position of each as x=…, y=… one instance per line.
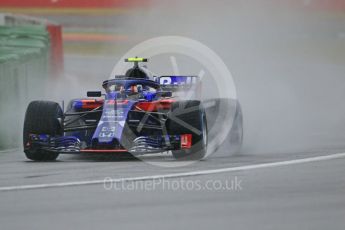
x=137, y=115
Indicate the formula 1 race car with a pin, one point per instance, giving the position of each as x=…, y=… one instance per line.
x=136, y=115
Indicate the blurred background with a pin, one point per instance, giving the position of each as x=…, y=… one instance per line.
x=287, y=59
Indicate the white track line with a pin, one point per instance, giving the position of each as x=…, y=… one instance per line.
x=175, y=175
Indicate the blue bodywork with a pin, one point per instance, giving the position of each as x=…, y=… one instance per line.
x=116, y=108
x=109, y=130
x=176, y=80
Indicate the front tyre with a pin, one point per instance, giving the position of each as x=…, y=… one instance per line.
x=189, y=117
x=42, y=117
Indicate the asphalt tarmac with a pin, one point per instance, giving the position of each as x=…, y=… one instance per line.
x=288, y=66
x=301, y=195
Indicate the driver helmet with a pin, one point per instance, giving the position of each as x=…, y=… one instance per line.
x=134, y=89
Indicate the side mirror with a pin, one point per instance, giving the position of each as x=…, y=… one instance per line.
x=94, y=93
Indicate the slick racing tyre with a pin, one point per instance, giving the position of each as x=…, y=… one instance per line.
x=42, y=117
x=236, y=132
x=189, y=117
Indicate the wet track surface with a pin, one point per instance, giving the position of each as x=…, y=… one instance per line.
x=308, y=195
x=301, y=196
x=17, y=170
x=289, y=72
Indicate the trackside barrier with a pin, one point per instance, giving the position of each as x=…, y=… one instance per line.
x=56, y=49
x=54, y=30
x=24, y=68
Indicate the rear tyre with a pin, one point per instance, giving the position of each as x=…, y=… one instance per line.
x=236, y=133
x=189, y=117
x=42, y=117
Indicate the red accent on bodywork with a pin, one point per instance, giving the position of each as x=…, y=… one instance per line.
x=112, y=102
x=91, y=104
x=103, y=151
x=186, y=141
x=154, y=106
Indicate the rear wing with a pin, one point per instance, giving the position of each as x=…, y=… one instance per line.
x=177, y=83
